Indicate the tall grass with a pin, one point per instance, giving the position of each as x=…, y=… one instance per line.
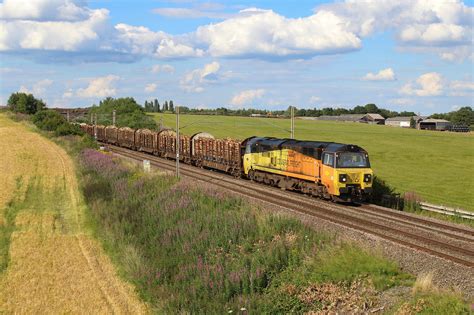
x=427, y=298
x=202, y=251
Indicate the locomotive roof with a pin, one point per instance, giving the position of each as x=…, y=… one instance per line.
x=292, y=143
x=339, y=147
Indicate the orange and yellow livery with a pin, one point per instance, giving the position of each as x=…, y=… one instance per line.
x=327, y=169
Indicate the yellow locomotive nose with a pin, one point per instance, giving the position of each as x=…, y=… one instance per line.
x=350, y=182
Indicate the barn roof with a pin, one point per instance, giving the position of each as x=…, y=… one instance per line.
x=406, y=118
x=432, y=120
x=375, y=116
x=400, y=118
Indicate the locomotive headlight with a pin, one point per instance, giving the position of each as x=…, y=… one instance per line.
x=343, y=178
x=367, y=178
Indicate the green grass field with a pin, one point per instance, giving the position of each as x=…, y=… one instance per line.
x=439, y=166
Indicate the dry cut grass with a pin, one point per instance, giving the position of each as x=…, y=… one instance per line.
x=50, y=263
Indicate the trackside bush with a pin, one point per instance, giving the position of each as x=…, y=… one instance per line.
x=203, y=251
x=51, y=120
x=68, y=129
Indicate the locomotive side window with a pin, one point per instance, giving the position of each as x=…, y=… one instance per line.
x=328, y=159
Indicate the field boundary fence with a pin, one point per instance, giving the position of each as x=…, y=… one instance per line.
x=396, y=201
x=447, y=210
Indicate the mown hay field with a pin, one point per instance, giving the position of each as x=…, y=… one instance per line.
x=438, y=166
x=48, y=261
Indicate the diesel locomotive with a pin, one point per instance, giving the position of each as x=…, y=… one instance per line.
x=329, y=170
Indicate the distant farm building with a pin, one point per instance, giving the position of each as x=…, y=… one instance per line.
x=435, y=124
x=403, y=121
x=375, y=119
x=361, y=118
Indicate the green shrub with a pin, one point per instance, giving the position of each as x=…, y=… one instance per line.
x=128, y=113
x=384, y=195
x=48, y=120
x=348, y=262
x=439, y=304
x=51, y=120
x=411, y=201
x=25, y=103
x=65, y=129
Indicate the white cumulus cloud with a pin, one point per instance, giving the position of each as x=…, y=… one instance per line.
x=383, y=75
x=58, y=25
x=43, y=10
x=255, y=32
x=247, y=96
x=462, y=88
x=462, y=85
x=436, y=26
x=99, y=87
x=193, y=81
x=150, y=88
x=38, y=89
x=428, y=84
x=314, y=99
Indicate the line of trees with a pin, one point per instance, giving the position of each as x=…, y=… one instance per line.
x=155, y=107
x=128, y=113
x=45, y=119
x=315, y=112
x=25, y=103
x=464, y=116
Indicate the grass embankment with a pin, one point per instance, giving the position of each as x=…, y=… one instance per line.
x=427, y=298
x=199, y=250
x=48, y=263
x=436, y=165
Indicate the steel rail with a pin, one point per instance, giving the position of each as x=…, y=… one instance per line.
x=400, y=217
x=346, y=220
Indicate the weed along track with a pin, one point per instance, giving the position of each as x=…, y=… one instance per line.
x=446, y=241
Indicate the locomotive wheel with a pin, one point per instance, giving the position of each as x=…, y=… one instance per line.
x=251, y=175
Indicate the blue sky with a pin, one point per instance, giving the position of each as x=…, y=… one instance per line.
x=402, y=55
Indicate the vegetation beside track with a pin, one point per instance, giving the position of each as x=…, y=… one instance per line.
x=427, y=298
x=199, y=250
x=434, y=165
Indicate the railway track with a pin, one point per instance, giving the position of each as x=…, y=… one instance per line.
x=444, y=240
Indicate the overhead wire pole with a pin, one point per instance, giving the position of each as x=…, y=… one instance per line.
x=292, y=113
x=95, y=126
x=177, y=141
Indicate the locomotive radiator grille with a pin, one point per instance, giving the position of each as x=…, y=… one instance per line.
x=354, y=177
